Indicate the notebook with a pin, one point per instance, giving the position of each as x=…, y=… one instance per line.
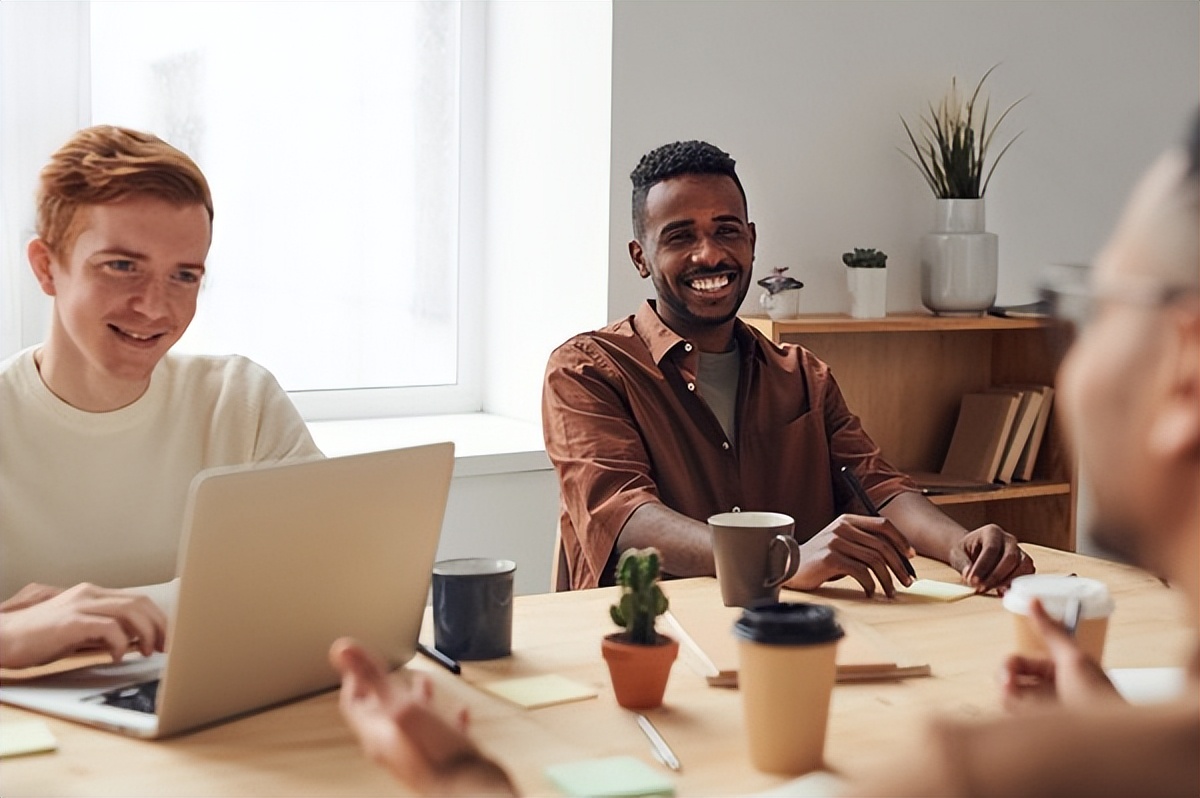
x=275, y=563
x=704, y=628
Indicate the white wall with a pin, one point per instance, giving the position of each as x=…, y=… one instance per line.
x=546, y=207
x=807, y=96
x=511, y=516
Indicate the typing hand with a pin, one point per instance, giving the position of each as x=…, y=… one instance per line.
x=84, y=616
x=858, y=546
x=988, y=558
x=32, y=593
x=397, y=726
x=1069, y=676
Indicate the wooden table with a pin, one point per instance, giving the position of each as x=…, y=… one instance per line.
x=304, y=749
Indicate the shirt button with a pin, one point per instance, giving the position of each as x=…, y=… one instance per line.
x=691, y=386
x=687, y=347
x=725, y=445
x=737, y=509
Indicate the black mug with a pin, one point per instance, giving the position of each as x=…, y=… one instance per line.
x=472, y=607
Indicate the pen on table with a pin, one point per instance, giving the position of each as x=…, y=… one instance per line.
x=857, y=488
x=439, y=658
x=662, y=751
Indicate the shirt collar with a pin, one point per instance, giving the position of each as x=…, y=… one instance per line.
x=661, y=339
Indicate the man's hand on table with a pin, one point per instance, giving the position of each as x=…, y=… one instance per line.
x=863, y=547
x=397, y=726
x=988, y=558
x=1069, y=676
x=40, y=624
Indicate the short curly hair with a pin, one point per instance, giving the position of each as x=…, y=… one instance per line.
x=104, y=164
x=673, y=160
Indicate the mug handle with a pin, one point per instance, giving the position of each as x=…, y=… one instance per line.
x=790, y=566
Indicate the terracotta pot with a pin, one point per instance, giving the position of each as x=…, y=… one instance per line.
x=639, y=672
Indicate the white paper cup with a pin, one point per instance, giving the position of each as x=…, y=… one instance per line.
x=1055, y=592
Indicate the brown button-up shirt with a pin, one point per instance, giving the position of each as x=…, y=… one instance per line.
x=624, y=425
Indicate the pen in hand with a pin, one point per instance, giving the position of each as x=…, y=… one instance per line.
x=857, y=489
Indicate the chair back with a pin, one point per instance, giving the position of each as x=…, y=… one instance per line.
x=560, y=575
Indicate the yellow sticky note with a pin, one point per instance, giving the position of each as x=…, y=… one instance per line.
x=532, y=692
x=26, y=737
x=933, y=590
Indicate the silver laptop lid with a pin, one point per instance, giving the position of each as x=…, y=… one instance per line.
x=278, y=561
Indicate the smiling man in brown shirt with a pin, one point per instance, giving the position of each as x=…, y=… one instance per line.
x=681, y=411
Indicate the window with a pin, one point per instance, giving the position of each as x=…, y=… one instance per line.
x=363, y=302
x=331, y=136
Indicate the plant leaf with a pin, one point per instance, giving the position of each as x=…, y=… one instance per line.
x=998, y=157
x=956, y=137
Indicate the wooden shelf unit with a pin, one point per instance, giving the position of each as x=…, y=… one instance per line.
x=904, y=376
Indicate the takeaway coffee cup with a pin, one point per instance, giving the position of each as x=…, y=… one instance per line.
x=787, y=666
x=1055, y=591
x=472, y=607
x=755, y=553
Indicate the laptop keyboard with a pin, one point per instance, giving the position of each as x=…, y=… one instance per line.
x=139, y=697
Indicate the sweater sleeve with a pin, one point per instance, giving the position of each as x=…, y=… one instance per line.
x=282, y=433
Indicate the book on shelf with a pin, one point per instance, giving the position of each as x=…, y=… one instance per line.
x=704, y=628
x=1029, y=452
x=977, y=447
x=1022, y=427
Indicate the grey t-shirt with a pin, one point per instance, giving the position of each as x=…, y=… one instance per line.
x=718, y=380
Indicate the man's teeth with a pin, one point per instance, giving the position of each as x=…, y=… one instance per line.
x=710, y=283
x=146, y=337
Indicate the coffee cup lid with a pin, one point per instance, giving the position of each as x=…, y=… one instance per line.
x=788, y=624
x=1055, y=590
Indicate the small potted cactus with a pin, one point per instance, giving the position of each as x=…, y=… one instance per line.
x=867, y=278
x=639, y=658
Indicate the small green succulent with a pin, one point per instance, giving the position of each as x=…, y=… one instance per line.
x=865, y=259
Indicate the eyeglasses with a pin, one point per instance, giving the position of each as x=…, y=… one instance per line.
x=1071, y=295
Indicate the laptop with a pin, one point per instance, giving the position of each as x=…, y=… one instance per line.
x=275, y=563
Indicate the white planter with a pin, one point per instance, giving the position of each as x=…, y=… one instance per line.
x=959, y=260
x=868, y=292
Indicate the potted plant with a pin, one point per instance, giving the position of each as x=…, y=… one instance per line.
x=639, y=658
x=782, y=298
x=866, y=275
x=958, y=258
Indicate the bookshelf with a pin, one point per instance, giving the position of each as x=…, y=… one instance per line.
x=904, y=375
